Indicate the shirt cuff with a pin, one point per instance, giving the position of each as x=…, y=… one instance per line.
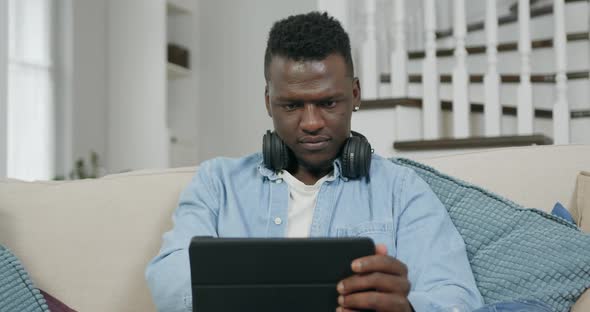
x=421, y=303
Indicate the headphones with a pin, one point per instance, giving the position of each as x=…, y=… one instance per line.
x=355, y=157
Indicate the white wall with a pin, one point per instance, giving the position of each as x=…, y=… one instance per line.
x=3, y=84
x=136, y=83
x=88, y=79
x=339, y=9
x=118, y=55
x=183, y=92
x=231, y=60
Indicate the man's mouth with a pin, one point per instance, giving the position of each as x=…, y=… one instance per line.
x=314, y=143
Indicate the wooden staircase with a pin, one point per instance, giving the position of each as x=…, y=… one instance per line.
x=543, y=78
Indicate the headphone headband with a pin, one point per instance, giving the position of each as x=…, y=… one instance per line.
x=355, y=156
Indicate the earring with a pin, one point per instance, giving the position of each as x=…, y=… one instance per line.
x=356, y=108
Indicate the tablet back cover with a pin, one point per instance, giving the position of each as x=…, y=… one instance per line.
x=271, y=274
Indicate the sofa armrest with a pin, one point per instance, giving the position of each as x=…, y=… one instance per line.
x=583, y=303
x=581, y=205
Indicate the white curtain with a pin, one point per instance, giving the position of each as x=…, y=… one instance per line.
x=31, y=95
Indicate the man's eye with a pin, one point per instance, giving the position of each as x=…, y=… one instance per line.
x=328, y=104
x=292, y=106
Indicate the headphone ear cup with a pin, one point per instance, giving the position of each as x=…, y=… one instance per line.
x=345, y=158
x=364, y=159
x=349, y=158
x=266, y=149
x=281, y=155
x=356, y=158
x=275, y=152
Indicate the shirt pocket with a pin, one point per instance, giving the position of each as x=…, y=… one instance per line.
x=381, y=232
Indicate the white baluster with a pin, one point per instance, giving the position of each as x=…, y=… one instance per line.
x=399, y=56
x=370, y=75
x=461, y=107
x=431, y=119
x=492, y=108
x=525, y=112
x=561, y=111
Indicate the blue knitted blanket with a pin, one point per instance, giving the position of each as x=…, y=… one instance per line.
x=17, y=293
x=515, y=253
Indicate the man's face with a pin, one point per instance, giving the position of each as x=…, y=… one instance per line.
x=311, y=103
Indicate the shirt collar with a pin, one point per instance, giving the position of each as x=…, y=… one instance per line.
x=272, y=175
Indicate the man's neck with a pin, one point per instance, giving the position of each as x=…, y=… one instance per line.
x=307, y=176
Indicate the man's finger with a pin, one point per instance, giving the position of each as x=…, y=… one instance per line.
x=372, y=300
x=381, y=249
x=379, y=263
x=381, y=282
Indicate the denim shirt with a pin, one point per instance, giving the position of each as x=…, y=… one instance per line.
x=393, y=206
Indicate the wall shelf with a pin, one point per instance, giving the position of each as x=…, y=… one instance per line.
x=175, y=8
x=176, y=71
x=182, y=80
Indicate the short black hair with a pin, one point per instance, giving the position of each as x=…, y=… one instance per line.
x=312, y=36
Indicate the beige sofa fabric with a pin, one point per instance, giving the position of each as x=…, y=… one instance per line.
x=581, y=203
x=581, y=213
x=88, y=242
x=535, y=177
x=583, y=303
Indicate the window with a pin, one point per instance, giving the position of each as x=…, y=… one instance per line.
x=31, y=90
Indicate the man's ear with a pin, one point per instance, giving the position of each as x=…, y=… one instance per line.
x=267, y=101
x=356, y=92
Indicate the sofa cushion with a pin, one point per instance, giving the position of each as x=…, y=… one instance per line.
x=581, y=203
x=54, y=304
x=17, y=292
x=515, y=253
x=583, y=303
x=560, y=211
x=581, y=214
x=88, y=242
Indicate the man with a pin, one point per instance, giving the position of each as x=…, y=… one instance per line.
x=420, y=261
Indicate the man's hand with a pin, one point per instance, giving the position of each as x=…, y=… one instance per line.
x=380, y=284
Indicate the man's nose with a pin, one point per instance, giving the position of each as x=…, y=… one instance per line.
x=312, y=120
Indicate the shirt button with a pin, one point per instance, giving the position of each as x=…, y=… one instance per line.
x=278, y=221
x=279, y=181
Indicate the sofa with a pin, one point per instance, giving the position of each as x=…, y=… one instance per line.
x=87, y=242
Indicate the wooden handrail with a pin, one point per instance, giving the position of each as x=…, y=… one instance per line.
x=475, y=107
x=506, y=19
x=505, y=78
x=473, y=142
x=502, y=47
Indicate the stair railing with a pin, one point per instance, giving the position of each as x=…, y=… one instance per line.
x=369, y=68
x=461, y=107
x=561, y=111
x=431, y=116
x=399, y=55
x=525, y=111
x=431, y=112
x=492, y=108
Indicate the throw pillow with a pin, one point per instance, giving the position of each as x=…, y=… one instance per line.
x=54, y=304
x=17, y=293
x=560, y=211
x=515, y=253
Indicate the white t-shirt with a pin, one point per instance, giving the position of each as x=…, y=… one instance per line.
x=302, y=200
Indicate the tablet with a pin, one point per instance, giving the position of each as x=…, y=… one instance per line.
x=271, y=274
